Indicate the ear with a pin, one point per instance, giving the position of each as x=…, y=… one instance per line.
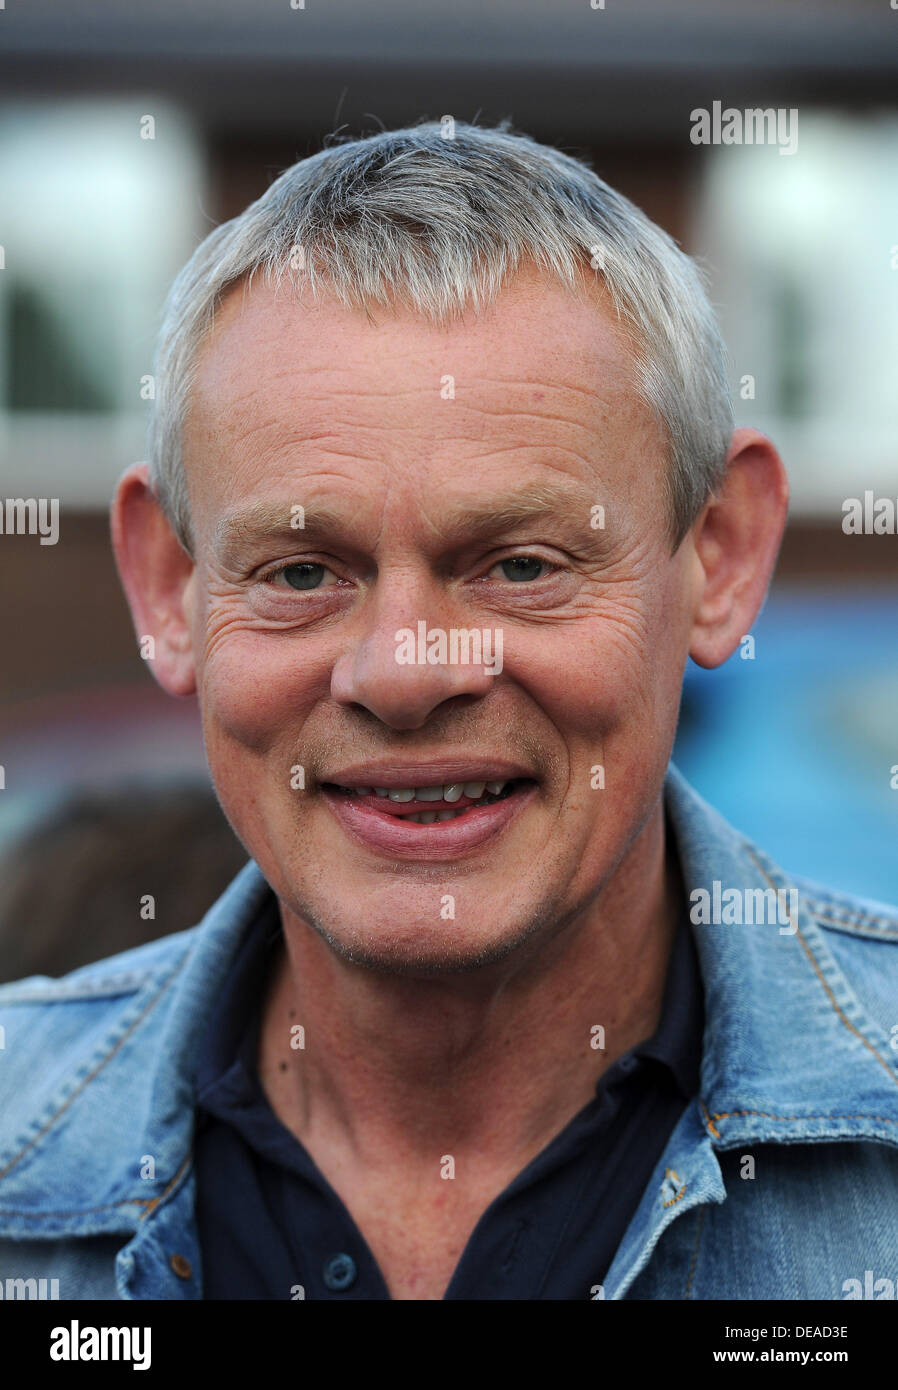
x=155, y=572
x=736, y=541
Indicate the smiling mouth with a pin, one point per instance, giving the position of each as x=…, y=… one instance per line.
x=434, y=805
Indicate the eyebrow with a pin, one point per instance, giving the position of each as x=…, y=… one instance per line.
x=263, y=521
x=270, y=521
x=540, y=502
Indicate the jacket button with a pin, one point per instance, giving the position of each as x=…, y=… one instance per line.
x=339, y=1272
x=181, y=1266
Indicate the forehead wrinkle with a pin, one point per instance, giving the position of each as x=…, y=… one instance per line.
x=287, y=436
x=616, y=375
x=530, y=415
x=468, y=400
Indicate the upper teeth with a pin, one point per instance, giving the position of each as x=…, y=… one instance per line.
x=450, y=791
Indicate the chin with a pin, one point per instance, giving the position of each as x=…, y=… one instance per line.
x=421, y=949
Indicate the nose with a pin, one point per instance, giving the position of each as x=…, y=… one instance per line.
x=382, y=671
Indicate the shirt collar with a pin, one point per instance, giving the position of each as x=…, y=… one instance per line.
x=226, y=1060
x=677, y=1041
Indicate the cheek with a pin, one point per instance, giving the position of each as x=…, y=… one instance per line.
x=609, y=683
x=257, y=690
x=590, y=676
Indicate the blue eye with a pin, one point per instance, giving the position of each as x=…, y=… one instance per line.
x=520, y=568
x=304, y=575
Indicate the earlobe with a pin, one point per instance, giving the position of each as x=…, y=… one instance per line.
x=736, y=541
x=155, y=572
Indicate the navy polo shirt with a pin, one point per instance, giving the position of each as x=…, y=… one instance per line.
x=271, y=1226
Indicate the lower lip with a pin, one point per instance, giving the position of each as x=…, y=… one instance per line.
x=446, y=839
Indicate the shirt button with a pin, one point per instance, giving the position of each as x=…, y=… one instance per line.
x=340, y=1272
x=181, y=1266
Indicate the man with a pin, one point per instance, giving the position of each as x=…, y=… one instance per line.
x=444, y=490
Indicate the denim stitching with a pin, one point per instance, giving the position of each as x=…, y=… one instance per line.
x=730, y=1114
x=673, y=1201
x=148, y=1202
x=829, y=994
x=97, y=1069
x=856, y=923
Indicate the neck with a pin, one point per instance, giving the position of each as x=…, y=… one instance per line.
x=490, y=1062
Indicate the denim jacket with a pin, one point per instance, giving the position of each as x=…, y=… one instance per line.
x=779, y=1181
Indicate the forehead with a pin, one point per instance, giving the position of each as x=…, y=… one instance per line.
x=284, y=382
x=530, y=308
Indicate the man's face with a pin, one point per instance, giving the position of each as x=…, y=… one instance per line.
x=449, y=477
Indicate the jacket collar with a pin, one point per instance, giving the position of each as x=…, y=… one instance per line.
x=122, y=1112
x=789, y=1054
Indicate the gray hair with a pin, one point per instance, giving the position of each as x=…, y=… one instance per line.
x=439, y=216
